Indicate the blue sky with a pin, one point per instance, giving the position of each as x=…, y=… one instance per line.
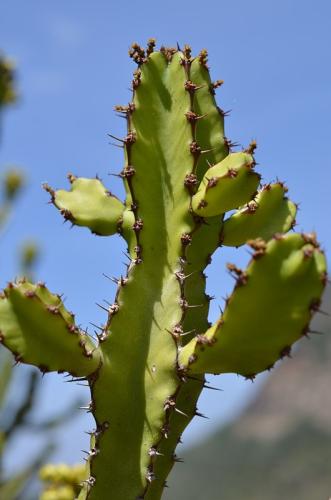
x=72, y=68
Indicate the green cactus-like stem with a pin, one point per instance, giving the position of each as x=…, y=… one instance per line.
x=147, y=371
x=241, y=341
x=40, y=331
x=152, y=298
x=89, y=204
x=270, y=213
x=226, y=185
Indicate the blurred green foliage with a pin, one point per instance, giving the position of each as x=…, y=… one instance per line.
x=16, y=416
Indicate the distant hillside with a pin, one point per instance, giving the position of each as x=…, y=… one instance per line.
x=280, y=447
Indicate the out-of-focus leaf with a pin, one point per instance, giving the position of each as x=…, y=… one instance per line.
x=26, y=405
x=5, y=374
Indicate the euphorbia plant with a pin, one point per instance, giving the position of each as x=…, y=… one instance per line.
x=146, y=371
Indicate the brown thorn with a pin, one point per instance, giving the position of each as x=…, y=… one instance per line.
x=224, y=113
x=116, y=138
x=49, y=190
x=152, y=452
x=203, y=58
x=190, y=180
x=198, y=414
x=180, y=412
x=71, y=178
x=96, y=326
x=205, y=151
x=150, y=46
x=195, y=148
x=186, y=239
x=315, y=332
x=286, y=351
x=102, y=307
x=325, y=313
x=215, y=85
x=127, y=172
x=111, y=278
x=251, y=148
x=206, y=386
x=130, y=138
x=191, y=377
x=115, y=175
x=193, y=117
x=187, y=51
x=230, y=144
x=192, y=87
x=212, y=182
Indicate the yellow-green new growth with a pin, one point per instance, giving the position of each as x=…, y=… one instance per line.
x=7, y=92
x=147, y=368
x=62, y=482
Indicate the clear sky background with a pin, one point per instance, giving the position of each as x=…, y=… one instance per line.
x=72, y=68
